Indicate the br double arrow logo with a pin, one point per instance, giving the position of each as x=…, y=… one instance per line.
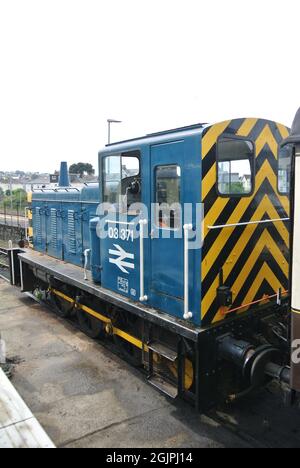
x=121, y=259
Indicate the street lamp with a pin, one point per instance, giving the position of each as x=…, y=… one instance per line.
x=111, y=121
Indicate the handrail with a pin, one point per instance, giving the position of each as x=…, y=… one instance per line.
x=143, y=297
x=248, y=223
x=187, y=314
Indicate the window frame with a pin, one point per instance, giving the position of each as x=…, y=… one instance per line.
x=252, y=165
x=175, y=164
x=124, y=154
x=285, y=194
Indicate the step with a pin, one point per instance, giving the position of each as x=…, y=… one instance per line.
x=163, y=386
x=163, y=350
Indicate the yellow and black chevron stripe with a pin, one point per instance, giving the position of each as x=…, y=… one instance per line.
x=254, y=257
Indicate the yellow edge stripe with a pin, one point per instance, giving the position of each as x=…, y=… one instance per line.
x=295, y=311
x=284, y=132
x=95, y=314
x=212, y=135
x=131, y=339
x=63, y=296
x=246, y=127
x=116, y=331
x=266, y=136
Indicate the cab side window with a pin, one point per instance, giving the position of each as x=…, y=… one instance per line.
x=284, y=169
x=235, y=161
x=122, y=180
x=168, y=194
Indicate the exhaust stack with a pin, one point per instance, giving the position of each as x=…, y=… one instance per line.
x=64, y=180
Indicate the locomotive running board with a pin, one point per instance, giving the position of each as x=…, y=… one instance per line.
x=51, y=268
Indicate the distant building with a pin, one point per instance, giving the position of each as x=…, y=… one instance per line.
x=31, y=182
x=246, y=181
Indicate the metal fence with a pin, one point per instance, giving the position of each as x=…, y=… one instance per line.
x=4, y=264
x=14, y=217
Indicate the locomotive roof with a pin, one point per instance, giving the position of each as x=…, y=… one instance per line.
x=173, y=134
x=156, y=137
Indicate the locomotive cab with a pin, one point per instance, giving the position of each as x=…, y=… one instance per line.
x=204, y=235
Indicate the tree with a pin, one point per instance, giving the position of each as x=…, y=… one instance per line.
x=17, y=199
x=82, y=169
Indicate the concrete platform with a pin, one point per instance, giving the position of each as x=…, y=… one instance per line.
x=85, y=396
x=18, y=427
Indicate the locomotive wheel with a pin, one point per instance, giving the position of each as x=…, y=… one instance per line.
x=89, y=325
x=62, y=307
x=129, y=324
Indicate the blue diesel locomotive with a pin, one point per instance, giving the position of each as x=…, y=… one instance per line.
x=180, y=256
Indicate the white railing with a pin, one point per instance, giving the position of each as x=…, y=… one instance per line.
x=142, y=223
x=186, y=229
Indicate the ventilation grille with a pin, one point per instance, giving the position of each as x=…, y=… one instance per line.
x=38, y=225
x=72, y=232
x=53, y=228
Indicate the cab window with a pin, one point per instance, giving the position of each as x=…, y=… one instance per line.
x=121, y=180
x=235, y=166
x=168, y=190
x=284, y=169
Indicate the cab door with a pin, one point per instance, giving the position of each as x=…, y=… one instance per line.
x=167, y=243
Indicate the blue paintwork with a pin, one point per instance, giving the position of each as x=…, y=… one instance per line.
x=64, y=180
x=95, y=257
x=122, y=279
x=71, y=224
x=39, y=219
x=163, y=257
x=89, y=205
x=61, y=221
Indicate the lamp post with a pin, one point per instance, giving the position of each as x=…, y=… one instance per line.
x=109, y=122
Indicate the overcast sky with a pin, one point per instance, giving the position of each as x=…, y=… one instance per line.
x=68, y=65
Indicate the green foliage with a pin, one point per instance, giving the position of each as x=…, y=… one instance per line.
x=234, y=188
x=16, y=202
x=81, y=169
x=237, y=187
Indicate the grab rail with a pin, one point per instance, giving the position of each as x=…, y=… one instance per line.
x=263, y=221
x=143, y=297
x=187, y=314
